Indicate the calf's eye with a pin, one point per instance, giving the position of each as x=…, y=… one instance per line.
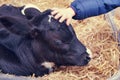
x=52, y=29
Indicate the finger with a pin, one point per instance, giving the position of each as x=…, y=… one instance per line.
x=62, y=19
x=57, y=16
x=54, y=12
x=68, y=21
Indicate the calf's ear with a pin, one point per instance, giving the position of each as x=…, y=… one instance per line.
x=19, y=26
x=37, y=19
x=16, y=25
x=31, y=13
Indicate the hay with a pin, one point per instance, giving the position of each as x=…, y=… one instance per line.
x=96, y=34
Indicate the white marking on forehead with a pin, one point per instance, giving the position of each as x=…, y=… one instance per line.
x=48, y=64
x=29, y=6
x=89, y=52
x=8, y=4
x=49, y=18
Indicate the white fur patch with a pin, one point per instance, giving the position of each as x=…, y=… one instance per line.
x=89, y=52
x=28, y=6
x=8, y=4
x=48, y=64
x=50, y=17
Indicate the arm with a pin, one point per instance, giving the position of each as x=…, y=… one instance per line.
x=81, y=9
x=89, y=8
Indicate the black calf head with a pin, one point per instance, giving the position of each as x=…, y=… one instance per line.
x=51, y=41
x=61, y=40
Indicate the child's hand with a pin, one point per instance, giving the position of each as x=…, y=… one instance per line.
x=63, y=14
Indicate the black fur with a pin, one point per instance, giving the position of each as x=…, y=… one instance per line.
x=26, y=41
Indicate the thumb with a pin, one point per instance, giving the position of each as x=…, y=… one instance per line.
x=68, y=21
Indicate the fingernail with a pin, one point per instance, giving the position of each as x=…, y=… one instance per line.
x=68, y=24
x=60, y=21
x=52, y=13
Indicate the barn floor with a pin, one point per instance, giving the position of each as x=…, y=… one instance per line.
x=95, y=33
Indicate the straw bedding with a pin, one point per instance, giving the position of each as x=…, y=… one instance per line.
x=96, y=34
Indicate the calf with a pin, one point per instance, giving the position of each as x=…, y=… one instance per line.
x=34, y=42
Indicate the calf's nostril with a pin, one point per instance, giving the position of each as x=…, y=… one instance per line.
x=88, y=58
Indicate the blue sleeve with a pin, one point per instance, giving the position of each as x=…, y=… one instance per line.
x=89, y=8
